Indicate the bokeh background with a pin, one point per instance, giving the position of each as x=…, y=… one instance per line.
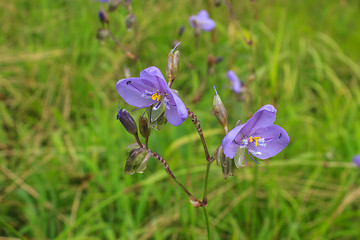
x=62, y=152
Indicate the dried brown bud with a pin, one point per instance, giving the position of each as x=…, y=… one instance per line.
x=113, y=5
x=172, y=65
x=219, y=111
x=129, y=21
x=127, y=121
x=144, y=126
x=102, y=34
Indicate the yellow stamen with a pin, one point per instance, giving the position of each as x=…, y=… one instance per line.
x=250, y=139
x=256, y=141
x=156, y=97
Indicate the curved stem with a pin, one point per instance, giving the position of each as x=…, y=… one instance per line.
x=194, y=201
x=196, y=123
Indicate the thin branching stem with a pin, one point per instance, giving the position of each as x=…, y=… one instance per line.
x=196, y=123
x=194, y=201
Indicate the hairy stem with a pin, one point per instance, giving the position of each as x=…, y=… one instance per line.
x=194, y=201
x=196, y=123
x=127, y=52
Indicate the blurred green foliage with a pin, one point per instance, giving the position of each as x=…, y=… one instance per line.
x=62, y=153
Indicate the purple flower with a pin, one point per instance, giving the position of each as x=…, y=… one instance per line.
x=235, y=83
x=202, y=21
x=356, y=160
x=151, y=89
x=258, y=135
x=102, y=1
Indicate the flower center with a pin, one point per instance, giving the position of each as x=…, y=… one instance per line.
x=156, y=97
x=258, y=141
x=251, y=139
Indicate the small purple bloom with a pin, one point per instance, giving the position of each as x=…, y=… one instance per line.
x=258, y=135
x=356, y=160
x=202, y=21
x=151, y=89
x=235, y=83
x=102, y=1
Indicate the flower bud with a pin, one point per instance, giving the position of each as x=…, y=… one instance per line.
x=102, y=34
x=103, y=17
x=219, y=111
x=181, y=31
x=127, y=121
x=144, y=126
x=129, y=21
x=172, y=64
x=217, y=3
x=134, y=160
x=113, y=5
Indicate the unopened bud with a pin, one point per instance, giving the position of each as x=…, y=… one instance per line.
x=219, y=111
x=219, y=155
x=103, y=17
x=129, y=21
x=144, y=126
x=217, y=3
x=102, y=34
x=113, y=4
x=134, y=160
x=219, y=60
x=181, y=31
x=172, y=64
x=127, y=121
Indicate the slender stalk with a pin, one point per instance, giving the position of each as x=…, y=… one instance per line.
x=138, y=140
x=118, y=43
x=196, y=123
x=210, y=8
x=194, y=201
x=206, y=182
x=207, y=223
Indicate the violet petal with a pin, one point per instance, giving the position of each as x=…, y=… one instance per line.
x=176, y=112
x=262, y=118
x=234, y=80
x=356, y=160
x=275, y=139
x=228, y=144
x=136, y=91
x=153, y=74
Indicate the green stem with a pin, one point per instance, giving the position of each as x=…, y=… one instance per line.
x=206, y=182
x=207, y=223
x=211, y=15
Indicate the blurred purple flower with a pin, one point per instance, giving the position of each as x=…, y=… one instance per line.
x=151, y=89
x=202, y=21
x=258, y=135
x=356, y=160
x=235, y=82
x=102, y=1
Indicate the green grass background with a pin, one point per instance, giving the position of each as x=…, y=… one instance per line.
x=62, y=153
